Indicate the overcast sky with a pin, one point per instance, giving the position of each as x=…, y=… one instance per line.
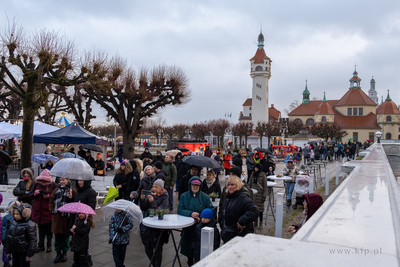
x=213, y=41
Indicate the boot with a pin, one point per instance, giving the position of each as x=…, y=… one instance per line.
x=58, y=257
x=63, y=256
x=48, y=249
x=289, y=202
x=89, y=260
x=40, y=246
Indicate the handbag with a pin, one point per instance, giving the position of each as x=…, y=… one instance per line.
x=100, y=172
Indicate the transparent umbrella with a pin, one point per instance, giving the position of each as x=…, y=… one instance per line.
x=41, y=158
x=129, y=207
x=72, y=168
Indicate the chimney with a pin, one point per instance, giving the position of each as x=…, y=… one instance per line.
x=272, y=105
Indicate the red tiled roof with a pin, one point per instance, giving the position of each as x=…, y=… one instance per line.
x=310, y=108
x=355, y=97
x=368, y=121
x=260, y=56
x=244, y=118
x=248, y=102
x=324, y=108
x=274, y=113
x=387, y=107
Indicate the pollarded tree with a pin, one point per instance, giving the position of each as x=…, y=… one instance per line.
x=29, y=66
x=272, y=129
x=180, y=130
x=169, y=132
x=200, y=130
x=130, y=97
x=261, y=130
x=243, y=129
x=219, y=128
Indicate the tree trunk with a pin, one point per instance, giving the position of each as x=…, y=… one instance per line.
x=245, y=141
x=261, y=141
x=128, y=145
x=27, y=134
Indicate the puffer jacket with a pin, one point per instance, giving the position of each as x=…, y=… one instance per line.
x=125, y=222
x=146, y=183
x=21, y=236
x=238, y=208
x=20, y=191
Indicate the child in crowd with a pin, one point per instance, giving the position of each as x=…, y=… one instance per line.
x=62, y=195
x=119, y=227
x=21, y=236
x=5, y=224
x=207, y=219
x=80, y=240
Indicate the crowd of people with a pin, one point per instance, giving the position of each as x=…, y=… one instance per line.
x=151, y=182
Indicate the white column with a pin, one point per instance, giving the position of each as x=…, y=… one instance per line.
x=279, y=215
x=207, y=242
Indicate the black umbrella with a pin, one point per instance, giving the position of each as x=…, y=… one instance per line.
x=5, y=157
x=202, y=161
x=182, y=149
x=92, y=147
x=260, y=149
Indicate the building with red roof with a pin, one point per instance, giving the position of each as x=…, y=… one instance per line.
x=356, y=112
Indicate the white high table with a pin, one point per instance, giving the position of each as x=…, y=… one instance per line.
x=169, y=223
x=281, y=178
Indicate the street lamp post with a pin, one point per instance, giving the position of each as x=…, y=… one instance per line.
x=378, y=135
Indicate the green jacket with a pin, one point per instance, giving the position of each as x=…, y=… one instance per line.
x=188, y=204
x=170, y=174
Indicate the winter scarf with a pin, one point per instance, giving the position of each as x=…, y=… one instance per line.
x=210, y=183
x=60, y=198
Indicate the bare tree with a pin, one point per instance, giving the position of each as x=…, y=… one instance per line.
x=261, y=130
x=180, y=130
x=219, y=128
x=130, y=97
x=243, y=129
x=29, y=65
x=292, y=106
x=10, y=107
x=200, y=130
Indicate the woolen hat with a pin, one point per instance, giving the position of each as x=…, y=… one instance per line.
x=207, y=213
x=158, y=165
x=195, y=182
x=236, y=171
x=159, y=182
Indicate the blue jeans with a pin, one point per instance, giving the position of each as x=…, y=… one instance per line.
x=171, y=198
x=290, y=188
x=119, y=252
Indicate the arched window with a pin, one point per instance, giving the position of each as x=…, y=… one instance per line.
x=259, y=68
x=323, y=119
x=388, y=135
x=298, y=121
x=388, y=118
x=309, y=121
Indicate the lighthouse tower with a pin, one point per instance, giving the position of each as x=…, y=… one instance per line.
x=260, y=72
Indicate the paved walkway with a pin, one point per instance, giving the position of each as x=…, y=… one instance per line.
x=101, y=250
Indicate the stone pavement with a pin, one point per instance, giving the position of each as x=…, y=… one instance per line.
x=101, y=250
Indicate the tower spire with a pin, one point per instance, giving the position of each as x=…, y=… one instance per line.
x=388, y=97
x=306, y=95
x=260, y=40
x=324, y=100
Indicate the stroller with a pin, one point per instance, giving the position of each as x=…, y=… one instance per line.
x=301, y=188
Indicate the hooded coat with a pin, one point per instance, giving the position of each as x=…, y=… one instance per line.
x=238, y=208
x=258, y=181
x=21, y=191
x=21, y=236
x=188, y=204
x=40, y=208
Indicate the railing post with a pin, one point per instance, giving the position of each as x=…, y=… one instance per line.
x=337, y=173
x=326, y=181
x=279, y=215
x=311, y=184
x=207, y=242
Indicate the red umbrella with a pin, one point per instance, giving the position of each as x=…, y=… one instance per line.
x=369, y=141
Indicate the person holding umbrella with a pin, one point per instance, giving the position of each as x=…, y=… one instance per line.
x=60, y=221
x=119, y=227
x=80, y=240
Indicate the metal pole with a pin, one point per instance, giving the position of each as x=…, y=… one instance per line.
x=337, y=173
x=311, y=184
x=206, y=242
x=279, y=215
x=115, y=139
x=326, y=182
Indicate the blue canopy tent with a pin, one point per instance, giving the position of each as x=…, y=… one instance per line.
x=71, y=134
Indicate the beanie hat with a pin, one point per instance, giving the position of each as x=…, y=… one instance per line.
x=159, y=182
x=98, y=155
x=44, y=178
x=123, y=163
x=158, y=165
x=207, y=213
x=195, y=181
x=236, y=171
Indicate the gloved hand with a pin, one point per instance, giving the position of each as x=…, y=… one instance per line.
x=120, y=230
x=28, y=259
x=37, y=192
x=110, y=241
x=46, y=195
